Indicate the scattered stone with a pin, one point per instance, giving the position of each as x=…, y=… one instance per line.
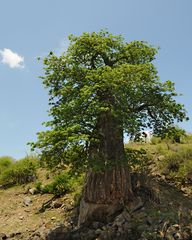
x=27, y=201
x=21, y=217
x=98, y=232
x=58, y=233
x=90, y=234
x=134, y=206
x=57, y=204
x=161, y=158
x=3, y=236
x=96, y=225
x=32, y=191
x=177, y=236
x=27, y=210
x=35, y=238
x=14, y=234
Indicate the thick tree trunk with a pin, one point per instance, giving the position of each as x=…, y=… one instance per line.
x=109, y=186
x=107, y=190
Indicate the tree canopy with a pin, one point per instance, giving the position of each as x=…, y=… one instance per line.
x=98, y=78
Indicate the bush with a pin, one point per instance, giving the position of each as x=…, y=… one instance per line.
x=137, y=160
x=38, y=186
x=174, y=134
x=5, y=162
x=22, y=171
x=178, y=163
x=62, y=184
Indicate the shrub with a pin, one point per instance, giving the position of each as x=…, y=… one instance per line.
x=174, y=134
x=62, y=184
x=137, y=160
x=38, y=186
x=22, y=171
x=178, y=163
x=77, y=198
x=5, y=162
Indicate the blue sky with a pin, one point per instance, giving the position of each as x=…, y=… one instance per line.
x=33, y=28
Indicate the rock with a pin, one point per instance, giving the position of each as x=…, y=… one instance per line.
x=76, y=236
x=120, y=230
x=39, y=234
x=12, y=235
x=90, y=234
x=35, y=238
x=161, y=158
x=177, y=236
x=3, y=236
x=32, y=191
x=134, y=206
x=96, y=225
x=27, y=201
x=58, y=233
x=186, y=236
x=98, y=232
x=127, y=226
x=21, y=217
x=57, y=204
x=176, y=226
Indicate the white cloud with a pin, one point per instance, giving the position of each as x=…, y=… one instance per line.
x=12, y=59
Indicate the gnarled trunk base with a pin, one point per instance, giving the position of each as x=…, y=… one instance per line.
x=105, y=194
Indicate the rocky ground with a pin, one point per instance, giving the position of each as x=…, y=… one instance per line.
x=22, y=212
x=164, y=213
x=160, y=211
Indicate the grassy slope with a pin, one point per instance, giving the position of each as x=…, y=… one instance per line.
x=174, y=192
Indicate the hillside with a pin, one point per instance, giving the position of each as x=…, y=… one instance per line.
x=162, y=209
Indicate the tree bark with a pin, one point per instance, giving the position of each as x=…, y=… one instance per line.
x=108, y=189
x=108, y=186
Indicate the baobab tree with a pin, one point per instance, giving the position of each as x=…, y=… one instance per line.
x=101, y=88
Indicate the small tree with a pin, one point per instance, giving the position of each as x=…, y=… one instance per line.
x=173, y=134
x=101, y=88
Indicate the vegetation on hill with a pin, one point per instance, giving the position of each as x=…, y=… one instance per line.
x=165, y=157
x=168, y=163
x=18, y=172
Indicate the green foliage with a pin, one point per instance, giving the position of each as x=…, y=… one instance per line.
x=38, y=186
x=77, y=198
x=22, y=171
x=62, y=184
x=138, y=160
x=101, y=75
x=188, y=138
x=176, y=161
x=155, y=140
x=174, y=134
x=47, y=175
x=5, y=162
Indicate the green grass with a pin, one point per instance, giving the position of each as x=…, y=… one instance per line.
x=19, y=172
x=171, y=159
